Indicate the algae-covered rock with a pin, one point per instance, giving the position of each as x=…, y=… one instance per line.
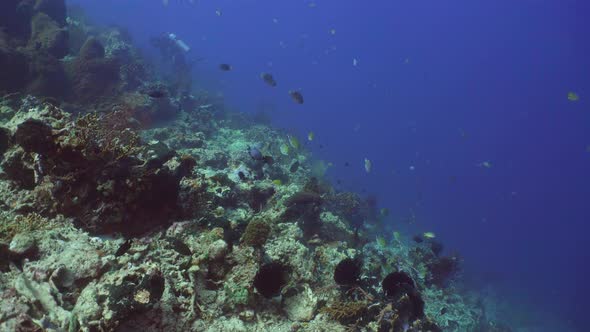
x=47, y=36
x=218, y=250
x=5, y=140
x=56, y=9
x=41, y=294
x=46, y=76
x=92, y=49
x=92, y=75
x=18, y=169
x=302, y=306
x=35, y=136
x=23, y=244
x=14, y=67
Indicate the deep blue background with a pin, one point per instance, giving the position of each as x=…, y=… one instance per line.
x=441, y=86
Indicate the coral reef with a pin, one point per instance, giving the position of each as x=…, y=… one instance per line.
x=113, y=220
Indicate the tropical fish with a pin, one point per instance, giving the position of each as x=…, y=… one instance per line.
x=381, y=241
x=157, y=94
x=397, y=236
x=284, y=149
x=277, y=182
x=486, y=164
x=429, y=235
x=294, y=167
x=123, y=248
x=242, y=176
x=275, y=20
x=218, y=12
x=268, y=79
x=294, y=142
x=219, y=212
x=225, y=67
x=572, y=96
x=368, y=165
x=296, y=96
x=332, y=31
x=310, y=136
x=355, y=62
x=319, y=168
x=255, y=154
x=462, y=133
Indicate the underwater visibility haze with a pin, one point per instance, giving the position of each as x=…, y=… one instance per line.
x=297, y=165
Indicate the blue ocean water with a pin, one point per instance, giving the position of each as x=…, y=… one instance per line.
x=461, y=107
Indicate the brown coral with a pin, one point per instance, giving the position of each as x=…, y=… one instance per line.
x=346, y=312
x=256, y=233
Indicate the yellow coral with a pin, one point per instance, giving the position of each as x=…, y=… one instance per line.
x=23, y=224
x=142, y=296
x=346, y=311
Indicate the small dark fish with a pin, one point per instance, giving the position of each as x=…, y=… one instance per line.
x=296, y=96
x=242, y=176
x=225, y=67
x=321, y=146
x=294, y=167
x=346, y=164
x=268, y=79
x=268, y=159
x=123, y=248
x=179, y=246
x=418, y=239
x=255, y=153
x=443, y=311
x=157, y=94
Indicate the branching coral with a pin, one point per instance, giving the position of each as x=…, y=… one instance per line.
x=109, y=136
x=22, y=224
x=346, y=312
